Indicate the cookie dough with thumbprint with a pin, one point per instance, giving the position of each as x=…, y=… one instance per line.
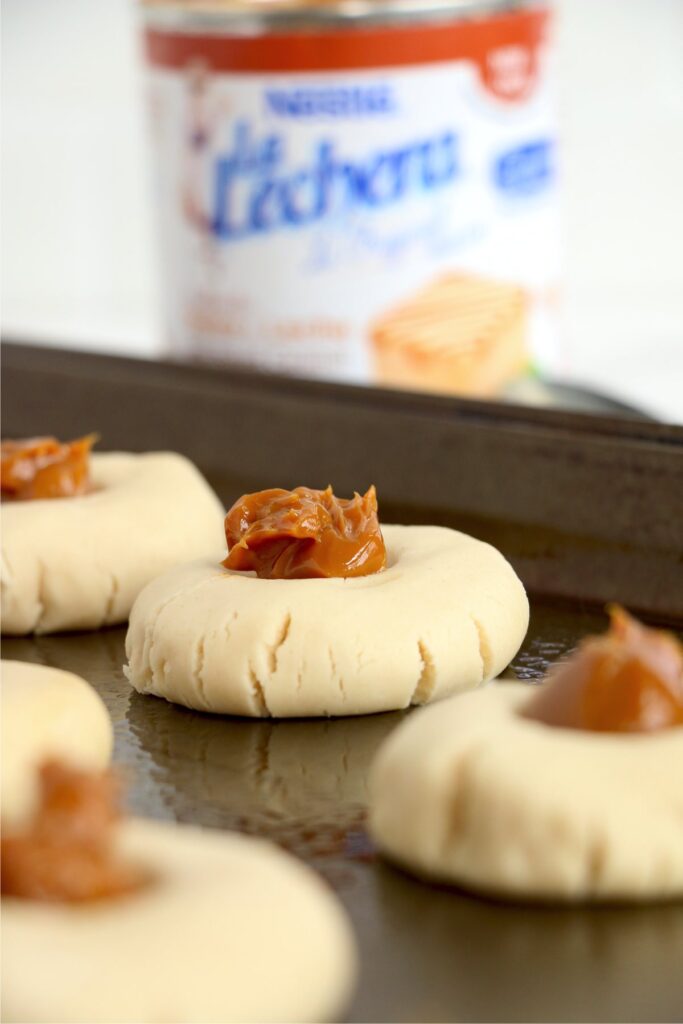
x=570, y=791
x=318, y=611
x=83, y=533
x=139, y=922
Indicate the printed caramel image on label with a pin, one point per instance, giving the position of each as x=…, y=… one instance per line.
x=461, y=334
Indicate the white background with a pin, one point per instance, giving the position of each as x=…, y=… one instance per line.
x=79, y=263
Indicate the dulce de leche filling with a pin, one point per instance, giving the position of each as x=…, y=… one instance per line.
x=43, y=467
x=304, y=533
x=629, y=680
x=67, y=853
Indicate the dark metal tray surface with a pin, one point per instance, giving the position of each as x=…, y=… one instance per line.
x=587, y=508
x=427, y=953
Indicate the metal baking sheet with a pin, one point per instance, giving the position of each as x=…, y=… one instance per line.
x=587, y=509
x=428, y=953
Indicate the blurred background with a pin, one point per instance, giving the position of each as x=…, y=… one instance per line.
x=79, y=264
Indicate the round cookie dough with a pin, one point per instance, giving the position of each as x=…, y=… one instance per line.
x=446, y=614
x=79, y=563
x=231, y=929
x=46, y=713
x=472, y=793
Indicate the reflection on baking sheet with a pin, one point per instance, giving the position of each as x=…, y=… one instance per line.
x=301, y=783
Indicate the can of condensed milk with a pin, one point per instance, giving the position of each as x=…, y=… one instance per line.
x=359, y=190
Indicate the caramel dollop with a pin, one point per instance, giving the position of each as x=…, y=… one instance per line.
x=304, y=533
x=629, y=680
x=66, y=853
x=43, y=467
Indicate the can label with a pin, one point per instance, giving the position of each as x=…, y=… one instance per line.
x=374, y=205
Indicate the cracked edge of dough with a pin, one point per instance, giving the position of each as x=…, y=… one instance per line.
x=485, y=650
x=426, y=681
x=259, y=686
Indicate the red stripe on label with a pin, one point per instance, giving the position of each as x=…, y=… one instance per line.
x=368, y=48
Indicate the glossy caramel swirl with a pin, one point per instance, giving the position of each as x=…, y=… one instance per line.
x=304, y=533
x=66, y=853
x=629, y=680
x=43, y=467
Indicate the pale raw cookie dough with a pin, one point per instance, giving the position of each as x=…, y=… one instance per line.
x=232, y=929
x=472, y=793
x=446, y=614
x=46, y=713
x=79, y=563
